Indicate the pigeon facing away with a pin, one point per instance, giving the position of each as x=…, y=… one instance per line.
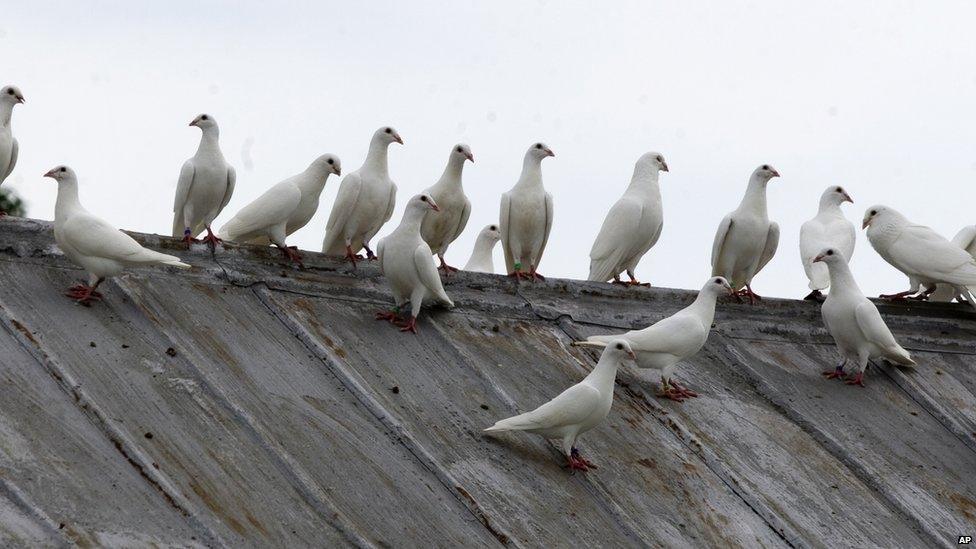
x=92, y=243
x=632, y=226
x=10, y=97
x=481, y=260
x=284, y=208
x=405, y=260
x=746, y=240
x=577, y=409
x=205, y=187
x=855, y=323
x=526, y=217
x=923, y=255
x=441, y=228
x=670, y=340
x=965, y=239
x=364, y=203
x=829, y=228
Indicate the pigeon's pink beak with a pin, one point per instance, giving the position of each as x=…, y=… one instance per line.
x=818, y=259
x=664, y=166
x=469, y=156
x=550, y=153
x=865, y=224
x=51, y=172
x=775, y=173
x=20, y=99
x=193, y=122
x=433, y=206
x=397, y=138
x=632, y=355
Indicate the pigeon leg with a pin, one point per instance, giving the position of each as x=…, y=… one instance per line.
x=924, y=296
x=815, y=295
x=899, y=296
x=370, y=256
x=84, y=294
x=669, y=392
x=684, y=391
x=517, y=273
x=753, y=296
x=291, y=252
x=575, y=453
x=410, y=325
x=445, y=267
x=836, y=373
x=211, y=239
x=352, y=257
x=634, y=282
x=535, y=276
x=391, y=316
x=188, y=237
x=857, y=379
x=574, y=464
x=616, y=280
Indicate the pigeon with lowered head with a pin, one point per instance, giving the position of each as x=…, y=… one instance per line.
x=481, y=260
x=10, y=96
x=92, y=243
x=205, y=186
x=854, y=322
x=829, y=228
x=364, y=202
x=442, y=228
x=406, y=261
x=746, y=240
x=526, y=217
x=284, y=208
x=577, y=409
x=632, y=226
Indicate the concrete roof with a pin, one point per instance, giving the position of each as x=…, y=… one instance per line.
x=245, y=403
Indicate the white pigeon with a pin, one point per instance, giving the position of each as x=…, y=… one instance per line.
x=577, y=409
x=10, y=97
x=406, y=261
x=923, y=255
x=481, y=260
x=632, y=226
x=829, y=228
x=965, y=239
x=670, y=340
x=92, y=243
x=855, y=323
x=441, y=229
x=205, y=186
x=284, y=208
x=746, y=240
x=364, y=202
x=526, y=217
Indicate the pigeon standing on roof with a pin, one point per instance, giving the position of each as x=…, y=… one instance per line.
x=965, y=239
x=923, y=255
x=632, y=226
x=284, y=208
x=855, y=323
x=442, y=228
x=92, y=243
x=829, y=228
x=405, y=259
x=526, y=217
x=205, y=186
x=364, y=202
x=481, y=260
x=670, y=340
x=746, y=240
x=577, y=409
x=10, y=97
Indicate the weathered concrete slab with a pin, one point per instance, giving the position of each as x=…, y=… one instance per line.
x=247, y=403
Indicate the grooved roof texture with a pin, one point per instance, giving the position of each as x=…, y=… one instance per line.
x=246, y=403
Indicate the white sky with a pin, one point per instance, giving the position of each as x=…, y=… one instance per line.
x=875, y=96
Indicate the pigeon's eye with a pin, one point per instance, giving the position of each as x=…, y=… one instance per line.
x=620, y=346
x=459, y=149
x=494, y=228
x=874, y=212
x=63, y=169
x=839, y=190
x=204, y=117
x=717, y=281
x=659, y=159
x=330, y=161
x=388, y=130
x=423, y=198
x=538, y=145
x=830, y=252
x=10, y=91
x=765, y=166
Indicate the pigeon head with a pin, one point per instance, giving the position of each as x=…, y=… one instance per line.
x=620, y=349
x=423, y=202
x=718, y=285
x=492, y=232
x=463, y=151
x=829, y=255
x=876, y=214
x=387, y=135
x=765, y=172
x=540, y=151
x=329, y=163
x=835, y=195
x=204, y=121
x=12, y=95
x=61, y=173
x=653, y=160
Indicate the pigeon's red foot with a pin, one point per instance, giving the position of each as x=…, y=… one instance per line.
x=535, y=276
x=390, y=316
x=856, y=380
x=900, y=296
x=369, y=253
x=587, y=464
x=188, y=239
x=291, y=252
x=671, y=393
x=747, y=292
x=409, y=326
x=352, y=257
x=815, y=295
x=84, y=294
x=519, y=275
x=212, y=240
x=446, y=268
x=836, y=373
x=684, y=391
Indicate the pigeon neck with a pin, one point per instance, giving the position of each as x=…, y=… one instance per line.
x=644, y=177
x=704, y=306
x=483, y=246
x=67, y=200
x=377, y=156
x=841, y=279
x=531, y=171
x=605, y=372
x=412, y=218
x=755, y=198
x=209, y=139
x=6, y=113
x=452, y=172
x=314, y=180
x=828, y=205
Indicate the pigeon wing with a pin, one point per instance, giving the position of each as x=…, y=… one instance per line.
x=876, y=331
x=921, y=250
x=13, y=161
x=617, y=233
x=503, y=225
x=720, y=235
x=342, y=208
x=573, y=406
x=229, y=191
x=427, y=272
x=271, y=208
x=545, y=237
x=182, y=192
x=93, y=237
x=772, y=242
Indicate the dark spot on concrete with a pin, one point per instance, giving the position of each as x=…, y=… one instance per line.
x=92, y=344
x=23, y=329
x=171, y=351
x=495, y=328
x=647, y=462
x=124, y=346
x=485, y=407
x=148, y=435
x=395, y=389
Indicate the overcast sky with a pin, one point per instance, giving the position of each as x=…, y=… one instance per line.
x=878, y=97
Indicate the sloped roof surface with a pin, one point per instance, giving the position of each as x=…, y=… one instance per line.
x=247, y=403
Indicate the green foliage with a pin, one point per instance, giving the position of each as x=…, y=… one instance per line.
x=11, y=203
